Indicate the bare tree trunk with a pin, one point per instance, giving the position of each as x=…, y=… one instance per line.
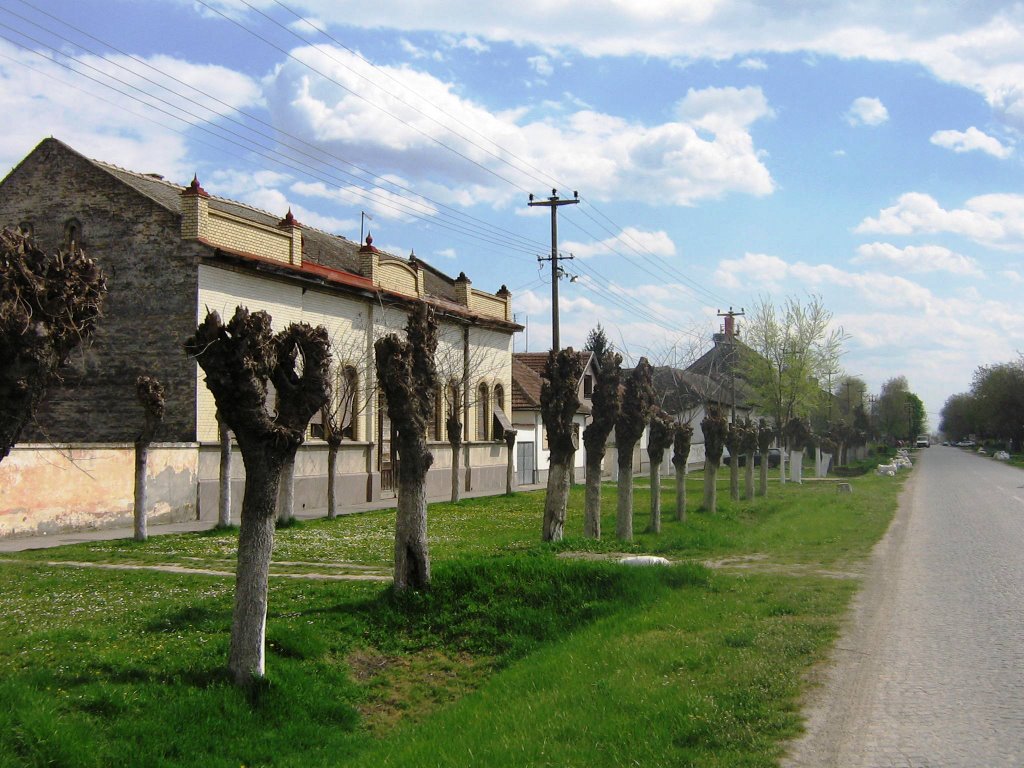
x=141, y=493
x=782, y=465
x=332, y=476
x=655, y=526
x=150, y=394
x=556, y=499
x=286, y=493
x=710, y=486
x=456, y=473
x=412, y=563
x=592, y=498
x=748, y=478
x=510, y=470
x=734, y=477
x=224, y=479
x=624, y=504
x=255, y=546
x=681, y=492
x=762, y=489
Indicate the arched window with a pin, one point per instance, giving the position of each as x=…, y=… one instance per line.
x=439, y=411
x=348, y=401
x=498, y=431
x=72, y=235
x=483, y=411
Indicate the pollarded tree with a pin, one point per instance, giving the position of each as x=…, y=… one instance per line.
x=637, y=401
x=240, y=359
x=682, y=435
x=715, y=428
x=559, y=401
x=150, y=394
x=408, y=378
x=606, y=402
x=733, y=441
x=49, y=305
x=748, y=446
x=765, y=437
x=659, y=440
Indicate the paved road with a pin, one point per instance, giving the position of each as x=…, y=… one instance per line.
x=930, y=668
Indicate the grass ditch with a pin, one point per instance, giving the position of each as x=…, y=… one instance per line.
x=520, y=654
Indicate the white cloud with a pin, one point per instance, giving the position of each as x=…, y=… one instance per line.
x=754, y=64
x=103, y=124
x=541, y=65
x=1012, y=276
x=995, y=220
x=979, y=46
x=762, y=272
x=867, y=111
x=925, y=258
x=380, y=202
x=708, y=152
x=446, y=253
x=628, y=242
x=971, y=139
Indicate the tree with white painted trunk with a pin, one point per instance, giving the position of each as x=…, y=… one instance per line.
x=715, y=428
x=748, y=447
x=407, y=374
x=606, y=402
x=659, y=439
x=682, y=435
x=637, y=400
x=224, y=478
x=559, y=402
x=765, y=438
x=240, y=360
x=150, y=394
x=733, y=441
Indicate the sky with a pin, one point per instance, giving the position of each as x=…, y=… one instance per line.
x=725, y=152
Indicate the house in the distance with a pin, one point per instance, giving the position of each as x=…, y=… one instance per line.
x=172, y=252
x=532, y=454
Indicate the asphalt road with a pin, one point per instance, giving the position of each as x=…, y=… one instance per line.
x=929, y=670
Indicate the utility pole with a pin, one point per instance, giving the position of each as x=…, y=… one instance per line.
x=553, y=203
x=730, y=337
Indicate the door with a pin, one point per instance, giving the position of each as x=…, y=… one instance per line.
x=525, y=464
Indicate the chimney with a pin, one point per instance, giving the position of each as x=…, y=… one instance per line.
x=506, y=296
x=292, y=228
x=369, y=260
x=195, y=211
x=463, y=289
x=730, y=327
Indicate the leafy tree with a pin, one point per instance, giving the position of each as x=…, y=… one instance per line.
x=636, y=407
x=659, y=439
x=239, y=360
x=795, y=347
x=606, y=403
x=408, y=379
x=150, y=394
x=49, y=305
x=959, y=416
x=559, y=402
x=999, y=395
x=899, y=413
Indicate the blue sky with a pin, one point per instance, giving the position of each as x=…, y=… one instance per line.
x=726, y=151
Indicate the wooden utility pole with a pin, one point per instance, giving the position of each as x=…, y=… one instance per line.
x=730, y=338
x=553, y=203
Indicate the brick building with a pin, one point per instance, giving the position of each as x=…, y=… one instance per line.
x=172, y=252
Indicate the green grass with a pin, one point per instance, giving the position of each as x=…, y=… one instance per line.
x=521, y=653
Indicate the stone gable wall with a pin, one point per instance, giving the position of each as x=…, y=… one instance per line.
x=150, y=307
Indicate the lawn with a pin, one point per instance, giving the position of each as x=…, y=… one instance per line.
x=521, y=653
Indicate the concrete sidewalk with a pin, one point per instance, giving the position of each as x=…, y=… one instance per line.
x=44, y=541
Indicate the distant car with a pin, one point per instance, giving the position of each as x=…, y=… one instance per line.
x=774, y=457
x=965, y=444
x=945, y=442
x=922, y=442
